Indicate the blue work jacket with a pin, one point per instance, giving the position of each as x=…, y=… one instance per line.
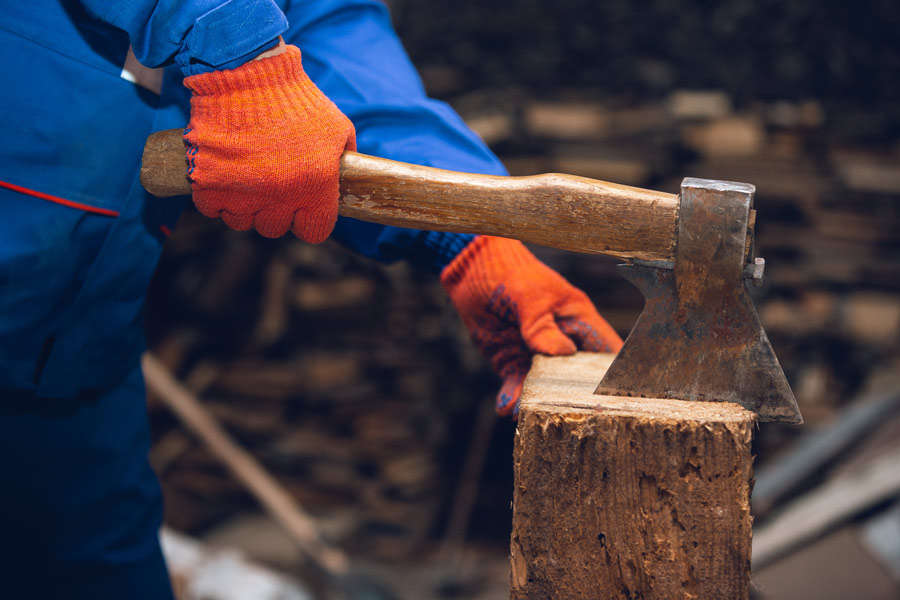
x=79, y=237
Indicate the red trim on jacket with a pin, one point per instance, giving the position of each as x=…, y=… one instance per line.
x=71, y=204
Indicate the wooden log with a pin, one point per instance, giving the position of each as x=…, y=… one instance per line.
x=627, y=497
x=566, y=120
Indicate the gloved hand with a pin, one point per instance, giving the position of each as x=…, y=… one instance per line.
x=264, y=148
x=514, y=306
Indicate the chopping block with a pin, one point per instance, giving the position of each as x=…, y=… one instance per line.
x=619, y=497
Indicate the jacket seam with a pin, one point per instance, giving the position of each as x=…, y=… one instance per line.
x=105, y=212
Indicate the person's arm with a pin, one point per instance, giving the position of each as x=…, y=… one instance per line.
x=512, y=304
x=263, y=142
x=199, y=35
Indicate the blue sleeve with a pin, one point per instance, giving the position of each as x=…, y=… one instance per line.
x=198, y=35
x=351, y=51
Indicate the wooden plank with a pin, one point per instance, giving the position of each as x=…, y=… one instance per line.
x=566, y=120
x=827, y=507
x=819, y=447
x=265, y=488
x=627, y=497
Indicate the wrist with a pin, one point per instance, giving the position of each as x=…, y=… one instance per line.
x=275, y=50
x=260, y=78
x=230, y=35
x=486, y=258
x=472, y=278
x=434, y=250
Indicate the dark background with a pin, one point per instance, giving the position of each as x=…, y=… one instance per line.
x=355, y=383
x=843, y=54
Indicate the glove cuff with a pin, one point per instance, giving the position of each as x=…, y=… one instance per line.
x=246, y=94
x=434, y=250
x=473, y=275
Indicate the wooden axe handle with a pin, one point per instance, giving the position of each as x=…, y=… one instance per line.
x=561, y=211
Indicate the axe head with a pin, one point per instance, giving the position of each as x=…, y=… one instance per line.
x=699, y=337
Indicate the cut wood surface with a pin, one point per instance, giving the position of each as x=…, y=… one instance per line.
x=627, y=497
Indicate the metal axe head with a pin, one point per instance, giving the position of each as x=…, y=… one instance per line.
x=699, y=337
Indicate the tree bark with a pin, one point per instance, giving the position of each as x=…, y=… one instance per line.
x=627, y=497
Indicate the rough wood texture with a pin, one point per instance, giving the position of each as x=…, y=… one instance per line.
x=560, y=211
x=627, y=497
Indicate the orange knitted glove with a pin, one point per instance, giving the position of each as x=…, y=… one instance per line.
x=514, y=306
x=264, y=147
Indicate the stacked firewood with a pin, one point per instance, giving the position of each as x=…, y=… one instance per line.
x=347, y=379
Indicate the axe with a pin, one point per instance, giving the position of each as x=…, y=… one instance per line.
x=698, y=338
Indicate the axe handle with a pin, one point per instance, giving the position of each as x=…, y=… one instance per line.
x=560, y=211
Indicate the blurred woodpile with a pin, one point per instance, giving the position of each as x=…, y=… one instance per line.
x=330, y=369
x=354, y=383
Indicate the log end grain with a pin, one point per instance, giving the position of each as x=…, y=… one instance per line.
x=627, y=497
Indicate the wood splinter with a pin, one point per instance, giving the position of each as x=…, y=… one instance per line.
x=627, y=497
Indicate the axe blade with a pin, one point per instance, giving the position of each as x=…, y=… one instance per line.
x=699, y=337
x=671, y=353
